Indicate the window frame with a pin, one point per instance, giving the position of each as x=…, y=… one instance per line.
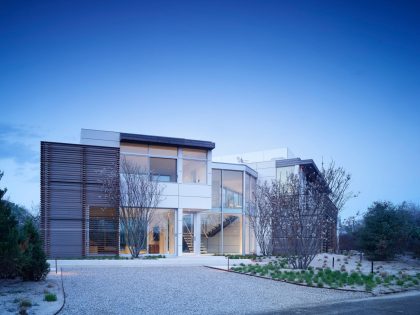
x=199, y=160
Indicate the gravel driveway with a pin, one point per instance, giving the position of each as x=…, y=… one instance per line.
x=183, y=290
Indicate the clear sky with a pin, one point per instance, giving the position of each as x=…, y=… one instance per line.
x=326, y=79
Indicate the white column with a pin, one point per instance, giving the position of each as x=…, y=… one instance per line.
x=197, y=233
x=179, y=232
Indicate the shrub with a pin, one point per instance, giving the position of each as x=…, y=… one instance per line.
x=50, y=297
x=33, y=262
x=25, y=303
x=9, y=249
x=384, y=231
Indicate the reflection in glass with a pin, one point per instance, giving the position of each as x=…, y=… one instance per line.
x=141, y=162
x=232, y=234
x=216, y=179
x=163, y=150
x=194, y=172
x=134, y=148
x=161, y=238
x=163, y=169
x=283, y=172
x=211, y=233
x=232, y=189
x=194, y=153
x=103, y=230
x=188, y=233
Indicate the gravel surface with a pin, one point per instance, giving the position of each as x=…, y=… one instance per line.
x=183, y=290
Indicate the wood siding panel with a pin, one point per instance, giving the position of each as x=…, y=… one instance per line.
x=70, y=184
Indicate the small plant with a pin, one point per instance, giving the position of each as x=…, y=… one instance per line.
x=50, y=297
x=25, y=303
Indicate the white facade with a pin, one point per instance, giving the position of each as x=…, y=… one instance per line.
x=202, y=217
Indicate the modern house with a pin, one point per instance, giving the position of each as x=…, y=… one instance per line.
x=202, y=209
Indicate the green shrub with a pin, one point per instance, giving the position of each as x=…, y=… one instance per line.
x=50, y=297
x=384, y=226
x=25, y=303
x=9, y=235
x=33, y=262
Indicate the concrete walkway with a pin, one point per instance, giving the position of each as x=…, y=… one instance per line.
x=181, y=261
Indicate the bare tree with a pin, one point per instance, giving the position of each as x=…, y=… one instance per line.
x=259, y=213
x=299, y=207
x=136, y=192
x=338, y=181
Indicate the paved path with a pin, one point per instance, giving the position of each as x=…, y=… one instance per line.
x=183, y=290
x=398, y=304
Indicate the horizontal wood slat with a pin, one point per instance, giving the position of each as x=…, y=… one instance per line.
x=70, y=184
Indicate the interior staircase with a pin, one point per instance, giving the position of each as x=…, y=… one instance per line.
x=188, y=243
x=188, y=238
x=216, y=229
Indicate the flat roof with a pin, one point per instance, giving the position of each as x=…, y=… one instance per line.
x=297, y=161
x=178, y=142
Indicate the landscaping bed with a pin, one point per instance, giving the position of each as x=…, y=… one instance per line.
x=31, y=297
x=378, y=282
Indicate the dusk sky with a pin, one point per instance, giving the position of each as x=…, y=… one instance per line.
x=328, y=79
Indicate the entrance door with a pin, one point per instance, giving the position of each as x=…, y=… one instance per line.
x=188, y=233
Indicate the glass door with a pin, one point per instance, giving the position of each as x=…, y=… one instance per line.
x=188, y=233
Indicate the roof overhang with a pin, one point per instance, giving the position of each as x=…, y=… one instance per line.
x=176, y=142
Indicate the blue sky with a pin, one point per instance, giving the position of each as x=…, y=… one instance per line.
x=327, y=79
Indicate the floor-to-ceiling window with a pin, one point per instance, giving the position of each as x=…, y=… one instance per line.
x=221, y=228
x=161, y=238
x=103, y=230
x=160, y=234
x=250, y=185
x=211, y=235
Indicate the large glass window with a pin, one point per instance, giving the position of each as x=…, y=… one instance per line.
x=134, y=148
x=232, y=189
x=163, y=150
x=194, y=171
x=103, y=230
x=163, y=169
x=232, y=234
x=249, y=238
x=141, y=162
x=211, y=233
x=216, y=186
x=250, y=183
x=194, y=153
x=284, y=172
x=161, y=238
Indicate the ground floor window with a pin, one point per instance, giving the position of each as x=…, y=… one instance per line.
x=161, y=238
x=160, y=234
x=221, y=233
x=103, y=231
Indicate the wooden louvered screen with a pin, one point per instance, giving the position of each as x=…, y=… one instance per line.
x=70, y=185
